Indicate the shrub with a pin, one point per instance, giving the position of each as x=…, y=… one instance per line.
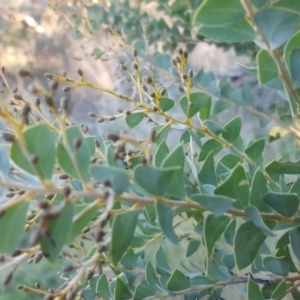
x=127, y=218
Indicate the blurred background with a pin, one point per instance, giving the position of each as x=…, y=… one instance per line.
x=61, y=36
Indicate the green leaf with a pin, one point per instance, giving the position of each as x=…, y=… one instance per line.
x=292, y=44
x=161, y=152
x=81, y=219
x=230, y=232
x=201, y=280
x=214, y=127
x=59, y=230
x=251, y=236
x=205, y=110
x=75, y=162
x=151, y=278
x=254, y=151
x=277, y=265
x=119, y=179
x=192, y=247
x=159, y=182
x=294, y=67
x=235, y=187
x=91, y=143
x=166, y=104
x=218, y=205
x=135, y=118
x=102, y=287
x=142, y=292
x=4, y=162
x=256, y=218
x=178, y=282
x=77, y=35
x=266, y=67
x=213, y=228
x=280, y=290
x=123, y=228
x=276, y=25
x=287, y=167
x=162, y=132
x=165, y=218
x=258, y=190
x=295, y=241
x=237, y=32
x=254, y=292
x=284, y=204
x=210, y=146
x=39, y=141
x=216, y=13
x=233, y=129
x=198, y=99
x=162, y=266
x=121, y=290
x=12, y=227
x=207, y=173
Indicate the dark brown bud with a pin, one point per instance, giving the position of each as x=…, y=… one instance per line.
x=89, y=274
x=24, y=73
x=124, y=68
x=191, y=73
x=184, y=77
x=128, y=112
x=67, y=191
x=66, y=88
x=167, y=120
x=64, y=103
x=112, y=118
x=119, y=110
x=2, y=70
x=97, y=144
x=135, y=66
x=180, y=51
x=43, y=204
x=37, y=101
x=17, y=96
x=143, y=160
x=10, y=194
x=154, y=108
x=144, y=88
x=112, y=137
x=134, y=52
x=67, y=269
x=37, y=285
x=38, y=257
x=162, y=91
x=49, y=196
x=185, y=54
x=77, y=143
x=152, y=95
x=180, y=88
x=63, y=176
x=92, y=115
x=174, y=62
x=53, y=84
x=7, y=278
x=48, y=75
x=178, y=59
x=32, y=89
x=79, y=72
x=8, y=137
x=148, y=80
x=100, y=120
x=25, y=110
x=49, y=101
x=152, y=134
x=34, y=159
x=19, y=287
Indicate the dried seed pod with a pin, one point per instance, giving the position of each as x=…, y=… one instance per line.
x=8, y=137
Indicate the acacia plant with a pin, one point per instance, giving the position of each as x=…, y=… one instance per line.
x=126, y=218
